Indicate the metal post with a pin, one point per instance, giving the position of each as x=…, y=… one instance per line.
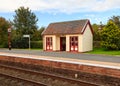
x=29, y=42
x=9, y=38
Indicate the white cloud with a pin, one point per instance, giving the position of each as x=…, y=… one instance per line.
x=96, y=18
x=105, y=5
x=64, y=6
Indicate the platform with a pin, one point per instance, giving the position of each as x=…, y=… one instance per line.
x=92, y=66
x=66, y=60
x=95, y=67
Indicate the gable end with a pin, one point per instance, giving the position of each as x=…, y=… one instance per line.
x=84, y=28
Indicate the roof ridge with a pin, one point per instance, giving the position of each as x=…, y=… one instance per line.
x=69, y=21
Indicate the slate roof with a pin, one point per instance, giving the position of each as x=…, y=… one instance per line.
x=69, y=27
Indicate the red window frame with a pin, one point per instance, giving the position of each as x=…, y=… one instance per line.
x=74, y=43
x=49, y=43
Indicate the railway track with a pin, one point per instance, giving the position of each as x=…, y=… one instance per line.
x=31, y=82
x=36, y=74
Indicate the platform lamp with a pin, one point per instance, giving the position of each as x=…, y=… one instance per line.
x=9, y=37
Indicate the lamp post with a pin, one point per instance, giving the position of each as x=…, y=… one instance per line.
x=9, y=38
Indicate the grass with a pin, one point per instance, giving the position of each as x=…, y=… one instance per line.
x=36, y=49
x=24, y=48
x=105, y=52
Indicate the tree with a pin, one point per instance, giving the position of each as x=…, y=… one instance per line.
x=40, y=31
x=110, y=36
x=116, y=20
x=25, y=21
x=96, y=35
x=37, y=35
x=4, y=25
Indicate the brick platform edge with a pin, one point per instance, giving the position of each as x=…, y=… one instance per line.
x=63, y=65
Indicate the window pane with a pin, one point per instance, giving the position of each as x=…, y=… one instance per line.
x=76, y=44
x=72, y=43
x=72, y=38
x=76, y=38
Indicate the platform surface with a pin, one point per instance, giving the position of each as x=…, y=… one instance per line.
x=76, y=58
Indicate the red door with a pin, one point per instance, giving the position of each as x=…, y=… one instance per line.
x=49, y=43
x=62, y=43
x=74, y=43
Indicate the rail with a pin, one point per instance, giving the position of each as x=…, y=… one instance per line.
x=22, y=79
x=53, y=76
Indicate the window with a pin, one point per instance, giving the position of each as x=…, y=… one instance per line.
x=74, y=43
x=49, y=43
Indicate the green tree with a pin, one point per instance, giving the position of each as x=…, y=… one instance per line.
x=116, y=20
x=110, y=36
x=37, y=35
x=25, y=21
x=4, y=25
x=40, y=31
x=96, y=35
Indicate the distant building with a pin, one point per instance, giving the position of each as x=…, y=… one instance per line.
x=71, y=36
x=101, y=26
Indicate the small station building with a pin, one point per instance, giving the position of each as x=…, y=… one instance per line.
x=71, y=36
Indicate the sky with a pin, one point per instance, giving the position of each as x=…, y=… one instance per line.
x=49, y=11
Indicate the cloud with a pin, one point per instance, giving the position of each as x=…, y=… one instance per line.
x=104, y=5
x=60, y=6
x=96, y=18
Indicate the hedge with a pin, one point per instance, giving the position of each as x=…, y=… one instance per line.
x=96, y=44
x=37, y=44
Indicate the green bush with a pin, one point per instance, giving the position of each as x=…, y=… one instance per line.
x=110, y=36
x=96, y=44
x=37, y=44
x=4, y=45
x=20, y=43
x=24, y=43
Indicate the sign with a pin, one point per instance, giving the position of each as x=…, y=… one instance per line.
x=26, y=36
x=9, y=30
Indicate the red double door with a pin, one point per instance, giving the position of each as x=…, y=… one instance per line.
x=49, y=43
x=74, y=44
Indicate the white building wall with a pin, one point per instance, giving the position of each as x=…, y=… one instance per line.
x=80, y=44
x=54, y=42
x=87, y=40
x=67, y=43
x=44, y=43
x=57, y=43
